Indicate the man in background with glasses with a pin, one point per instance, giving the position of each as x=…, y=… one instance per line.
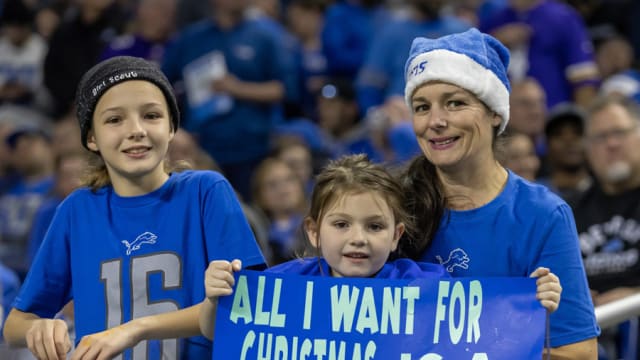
x=608, y=214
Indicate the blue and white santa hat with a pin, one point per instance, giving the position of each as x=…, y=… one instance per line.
x=472, y=60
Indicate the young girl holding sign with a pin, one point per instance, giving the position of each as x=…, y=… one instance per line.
x=355, y=222
x=130, y=250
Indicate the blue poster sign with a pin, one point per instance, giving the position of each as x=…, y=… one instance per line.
x=292, y=317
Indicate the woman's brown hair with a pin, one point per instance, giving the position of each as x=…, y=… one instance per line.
x=426, y=203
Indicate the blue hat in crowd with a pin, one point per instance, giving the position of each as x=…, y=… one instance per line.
x=471, y=60
x=25, y=130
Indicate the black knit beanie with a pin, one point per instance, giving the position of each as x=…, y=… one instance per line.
x=113, y=71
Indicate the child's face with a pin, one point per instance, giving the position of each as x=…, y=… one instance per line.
x=356, y=234
x=132, y=131
x=282, y=191
x=298, y=158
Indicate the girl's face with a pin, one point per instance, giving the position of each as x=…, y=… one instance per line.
x=298, y=158
x=356, y=234
x=281, y=190
x=132, y=131
x=453, y=127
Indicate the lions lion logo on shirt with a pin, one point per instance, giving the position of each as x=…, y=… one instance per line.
x=144, y=238
x=457, y=257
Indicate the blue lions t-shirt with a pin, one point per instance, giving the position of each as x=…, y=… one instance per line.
x=121, y=258
x=526, y=226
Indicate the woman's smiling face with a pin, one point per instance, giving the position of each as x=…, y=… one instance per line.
x=452, y=126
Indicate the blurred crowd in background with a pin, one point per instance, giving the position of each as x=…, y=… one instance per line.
x=270, y=90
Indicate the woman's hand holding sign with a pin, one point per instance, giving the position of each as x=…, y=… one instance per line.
x=549, y=288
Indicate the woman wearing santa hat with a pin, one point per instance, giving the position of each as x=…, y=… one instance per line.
x=486, y=221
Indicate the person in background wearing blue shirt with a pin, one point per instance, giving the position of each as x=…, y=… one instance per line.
x=69, y=169
x=32, y=160
x=153, y=24
x=131, y=248
x=348, y=33
x=355, y=222
x=381, y=76
x=548, y=41
x=231, y=74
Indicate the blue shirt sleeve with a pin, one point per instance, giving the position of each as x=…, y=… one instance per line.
x=47, y=287
x=577, y=53
x=574, y=320
x=228, y=234
x=41, y=222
